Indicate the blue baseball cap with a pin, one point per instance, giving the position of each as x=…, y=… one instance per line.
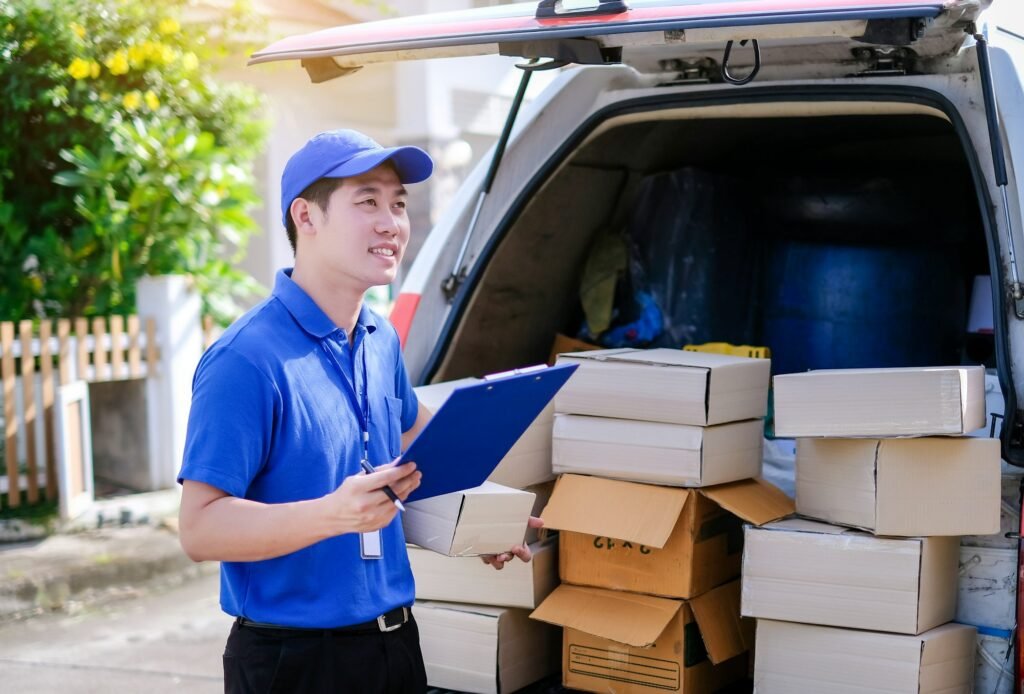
x=342, y=153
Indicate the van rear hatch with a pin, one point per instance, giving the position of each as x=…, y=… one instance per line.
x=619, y=31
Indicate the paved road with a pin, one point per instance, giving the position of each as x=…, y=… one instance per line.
x=167, y=642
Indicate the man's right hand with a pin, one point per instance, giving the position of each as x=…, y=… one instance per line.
x=360, y=505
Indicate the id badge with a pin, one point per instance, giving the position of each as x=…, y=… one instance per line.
x=370, y=545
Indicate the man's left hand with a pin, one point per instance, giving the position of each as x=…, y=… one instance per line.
x=521, y=551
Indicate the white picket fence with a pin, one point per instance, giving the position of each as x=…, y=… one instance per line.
x=36, y=357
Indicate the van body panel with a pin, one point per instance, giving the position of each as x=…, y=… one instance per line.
x=1006, y=50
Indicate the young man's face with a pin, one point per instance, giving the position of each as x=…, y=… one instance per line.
x=363, y=232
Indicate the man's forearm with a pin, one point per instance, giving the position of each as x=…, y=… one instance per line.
x=233, y=529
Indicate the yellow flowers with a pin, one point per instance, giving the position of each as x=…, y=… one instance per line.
x=168, y=25
x=137, y=55
x=80, y=68
x=165, y=54
x=117, y=62
x=131, y=101
x=190, y=61
x=78, y=29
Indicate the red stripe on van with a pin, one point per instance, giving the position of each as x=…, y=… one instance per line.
x=402, y=314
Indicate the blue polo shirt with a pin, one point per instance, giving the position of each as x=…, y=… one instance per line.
x=271, y=421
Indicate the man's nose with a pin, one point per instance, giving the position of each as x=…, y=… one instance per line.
x=387, y=223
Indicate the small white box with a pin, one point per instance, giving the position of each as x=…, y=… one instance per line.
x=490, y=650
x=468, y=579
x=488, y=519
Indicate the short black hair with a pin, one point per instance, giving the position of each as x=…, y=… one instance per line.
x=318, y=192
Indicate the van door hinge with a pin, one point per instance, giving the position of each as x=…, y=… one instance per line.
x=884, y=61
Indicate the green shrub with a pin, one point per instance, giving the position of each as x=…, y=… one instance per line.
x=120, y=156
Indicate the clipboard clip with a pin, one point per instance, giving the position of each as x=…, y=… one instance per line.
x=516, y=372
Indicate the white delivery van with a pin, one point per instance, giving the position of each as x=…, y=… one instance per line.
x=835, y=179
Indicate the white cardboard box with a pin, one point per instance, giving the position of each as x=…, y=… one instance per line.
x=487, y=519
x=880, y=402
x=475, y=648
x=805, y=659
x=665, y=385
x=528, y=462
x=468, y=579
x=906, y=487
x=802, y=571
x=680, y=455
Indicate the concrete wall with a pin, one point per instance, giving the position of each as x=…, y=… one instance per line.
x=120, y=440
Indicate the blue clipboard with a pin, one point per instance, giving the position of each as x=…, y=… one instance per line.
x=477, y=425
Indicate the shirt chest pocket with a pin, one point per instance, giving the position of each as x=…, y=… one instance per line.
x=394, y=426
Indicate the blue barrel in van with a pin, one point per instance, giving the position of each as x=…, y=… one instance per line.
x=830, y=306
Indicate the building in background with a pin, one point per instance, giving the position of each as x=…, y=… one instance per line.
x=453, y=108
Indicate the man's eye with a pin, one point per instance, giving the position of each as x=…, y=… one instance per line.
x=400, y=205
x=371, y=202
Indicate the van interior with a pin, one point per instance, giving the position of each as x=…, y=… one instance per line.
x=836, y=240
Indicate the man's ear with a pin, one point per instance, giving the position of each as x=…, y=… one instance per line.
x=301, y=216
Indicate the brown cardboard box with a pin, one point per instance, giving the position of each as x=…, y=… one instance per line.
x=665, y=385
x=805, y=659
x=528, y=462
x=803, y=571
x=667, y=541
x=680, y=455
x=564, y=343
x=628, y=643
x=880, y=402
x=907, y=487
x=490, y=650
x=467, y=579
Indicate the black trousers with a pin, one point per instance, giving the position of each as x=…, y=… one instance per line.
x=262, y=661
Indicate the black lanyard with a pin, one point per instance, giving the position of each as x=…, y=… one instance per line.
x=361, y=410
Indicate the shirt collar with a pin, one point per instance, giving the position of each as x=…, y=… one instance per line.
x=307, y=314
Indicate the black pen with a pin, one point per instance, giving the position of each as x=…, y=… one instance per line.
x=368, y=469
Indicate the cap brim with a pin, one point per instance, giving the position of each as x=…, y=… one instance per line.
x=412, y=164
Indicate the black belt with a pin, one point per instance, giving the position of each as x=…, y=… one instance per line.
x=389, y=621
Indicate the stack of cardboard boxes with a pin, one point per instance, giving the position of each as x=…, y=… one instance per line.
x=657, y=449
x=475, y=631
x=863, y=600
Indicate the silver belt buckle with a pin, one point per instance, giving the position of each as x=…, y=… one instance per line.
x=383, y=625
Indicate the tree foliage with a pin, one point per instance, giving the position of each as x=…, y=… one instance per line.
x=120, y=155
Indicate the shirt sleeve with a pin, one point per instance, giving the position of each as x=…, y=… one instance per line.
x=230, y=424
